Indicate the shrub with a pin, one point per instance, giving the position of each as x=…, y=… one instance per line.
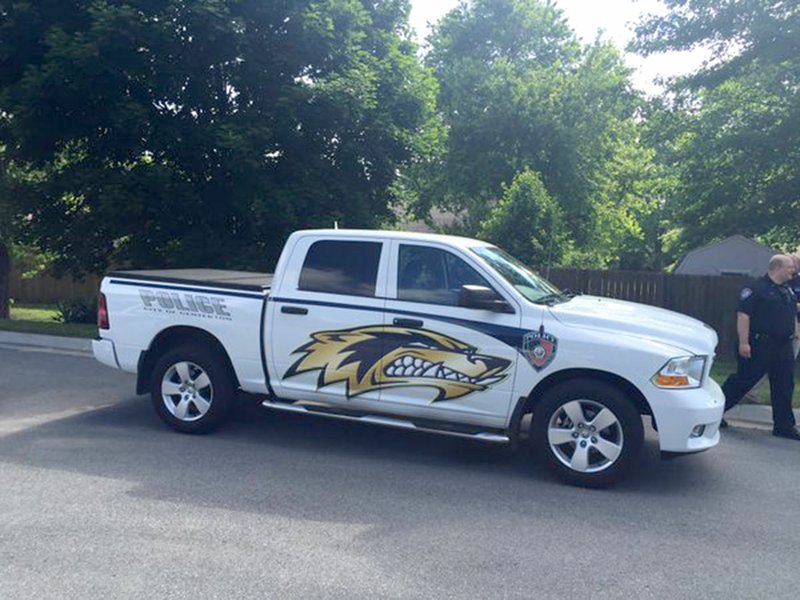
x=527, y=222
x=77, y=311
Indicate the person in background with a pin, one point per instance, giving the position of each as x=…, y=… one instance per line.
x=765, y=327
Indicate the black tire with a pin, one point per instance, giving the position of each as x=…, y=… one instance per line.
x=578, y=454
x=193, y=408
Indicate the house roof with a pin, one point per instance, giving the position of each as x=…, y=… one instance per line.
x=733, y=238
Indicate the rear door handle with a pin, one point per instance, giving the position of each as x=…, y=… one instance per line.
x=407, y=322
x=294, y=310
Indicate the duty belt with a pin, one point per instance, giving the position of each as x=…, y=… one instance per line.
x=773, y=338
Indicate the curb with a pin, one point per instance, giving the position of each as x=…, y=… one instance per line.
x=754, y=413
x=52, y=342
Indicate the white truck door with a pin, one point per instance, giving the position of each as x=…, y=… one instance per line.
x=447, y=361
x=330, y=304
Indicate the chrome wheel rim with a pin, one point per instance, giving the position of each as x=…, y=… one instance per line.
x=186, y=391
x=585, y=436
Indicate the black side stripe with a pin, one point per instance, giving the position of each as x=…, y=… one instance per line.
x=512, y=336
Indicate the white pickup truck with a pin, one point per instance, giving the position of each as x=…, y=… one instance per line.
x=425, y=332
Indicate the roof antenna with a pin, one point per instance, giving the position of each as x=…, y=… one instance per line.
x=547, y=276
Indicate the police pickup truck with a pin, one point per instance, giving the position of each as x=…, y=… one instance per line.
x=422, y=332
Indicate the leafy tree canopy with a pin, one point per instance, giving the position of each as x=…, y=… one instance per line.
x=518, y=92
x=733, y=138
x=185, y=133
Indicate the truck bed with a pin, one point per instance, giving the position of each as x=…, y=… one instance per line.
x=238, y=280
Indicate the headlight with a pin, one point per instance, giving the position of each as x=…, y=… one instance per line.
x=681, y=372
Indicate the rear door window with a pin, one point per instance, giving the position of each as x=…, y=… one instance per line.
x=341, y=267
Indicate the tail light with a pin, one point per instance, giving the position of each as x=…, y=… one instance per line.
x=102, y=312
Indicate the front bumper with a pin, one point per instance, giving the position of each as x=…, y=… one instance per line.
x=104, y=352
x=678, y=412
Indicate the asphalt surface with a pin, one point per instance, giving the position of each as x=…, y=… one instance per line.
x=99, y=500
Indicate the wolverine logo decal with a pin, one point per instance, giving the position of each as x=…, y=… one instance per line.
x=377, y=357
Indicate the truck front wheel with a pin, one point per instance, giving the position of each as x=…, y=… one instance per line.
x=192, y=390
x=587, y=432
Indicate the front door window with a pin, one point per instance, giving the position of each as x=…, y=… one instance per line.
x=433, y=276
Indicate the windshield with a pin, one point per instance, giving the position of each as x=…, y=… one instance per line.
x=525, y=281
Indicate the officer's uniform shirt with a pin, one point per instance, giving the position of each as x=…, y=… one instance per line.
x=771, y=307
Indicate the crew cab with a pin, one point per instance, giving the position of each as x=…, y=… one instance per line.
x=419, y=331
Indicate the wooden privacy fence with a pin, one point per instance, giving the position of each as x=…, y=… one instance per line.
x=711, y=299
x=46, y=289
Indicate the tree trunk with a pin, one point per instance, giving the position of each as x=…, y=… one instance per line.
x=5, y=283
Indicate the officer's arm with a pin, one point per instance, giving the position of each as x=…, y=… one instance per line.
x=743, y=331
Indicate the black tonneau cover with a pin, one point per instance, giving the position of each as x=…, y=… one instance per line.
x=236, y=280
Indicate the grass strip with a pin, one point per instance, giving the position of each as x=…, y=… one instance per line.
x=78, y=330
x=30, y=318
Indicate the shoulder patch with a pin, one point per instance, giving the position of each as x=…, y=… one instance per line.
x=745, y=293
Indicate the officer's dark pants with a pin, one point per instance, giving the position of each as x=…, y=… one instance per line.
x=775, y=359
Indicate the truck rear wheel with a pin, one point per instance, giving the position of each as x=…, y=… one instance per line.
x=587, y=433
x=192, y=389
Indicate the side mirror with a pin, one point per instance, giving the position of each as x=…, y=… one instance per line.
x=482, y=297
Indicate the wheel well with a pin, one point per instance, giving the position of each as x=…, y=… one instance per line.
x=528, y=404
x=170, y=338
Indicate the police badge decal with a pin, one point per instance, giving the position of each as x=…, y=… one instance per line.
x=539, y=348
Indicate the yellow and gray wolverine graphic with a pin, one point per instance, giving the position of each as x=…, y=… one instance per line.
x=377, y=357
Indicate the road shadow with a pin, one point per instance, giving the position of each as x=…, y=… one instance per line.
x=302, y=466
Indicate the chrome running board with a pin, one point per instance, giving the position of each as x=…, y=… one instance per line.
x=397, y=423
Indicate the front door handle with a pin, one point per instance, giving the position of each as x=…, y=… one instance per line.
x=294, y=310
x=407, y=322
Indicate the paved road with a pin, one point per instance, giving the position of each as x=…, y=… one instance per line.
x=99, y=500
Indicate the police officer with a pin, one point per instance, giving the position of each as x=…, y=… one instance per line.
x=765, y=326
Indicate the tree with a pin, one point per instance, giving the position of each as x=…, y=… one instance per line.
x=735, y=133
x=517, y=92
x=5, y=272
x=6, y=221
x=172, y=133
x=527, y=222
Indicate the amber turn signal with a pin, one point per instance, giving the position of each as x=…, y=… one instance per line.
x=671, y=380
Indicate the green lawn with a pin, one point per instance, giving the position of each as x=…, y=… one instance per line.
x=26, y=318
x=724, y=367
